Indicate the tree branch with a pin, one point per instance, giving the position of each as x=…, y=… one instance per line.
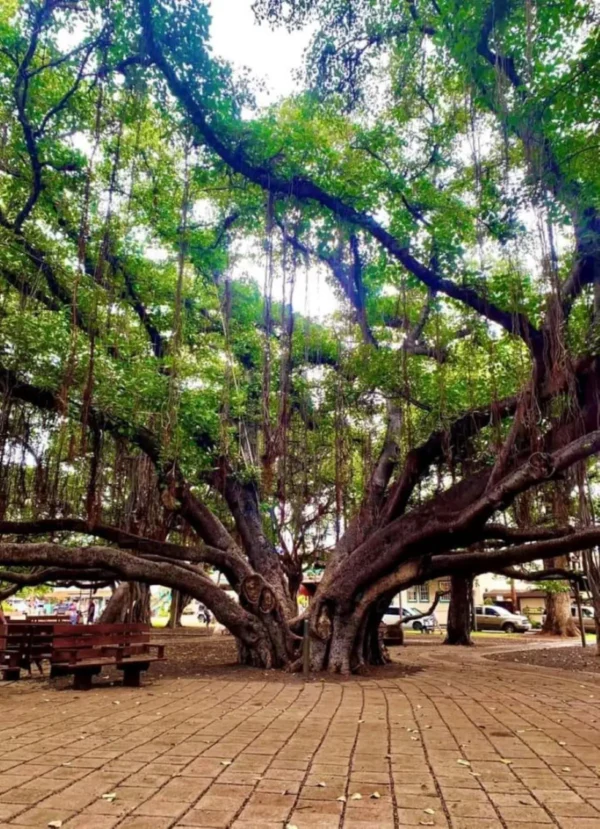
x=132, y=568
x=491, y=561
x=304, y=189
x=541, y=575
x=430, y=610
x=229, y=563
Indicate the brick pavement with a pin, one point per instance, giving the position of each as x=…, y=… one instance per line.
x=460, y=744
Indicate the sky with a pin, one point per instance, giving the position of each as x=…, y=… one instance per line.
x=271, y=54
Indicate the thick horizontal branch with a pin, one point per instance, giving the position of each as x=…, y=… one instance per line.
x=541, y=575
x=515, y=535
x=46, y=575
x=233, y=566
x=129, y=567
x=493, y=560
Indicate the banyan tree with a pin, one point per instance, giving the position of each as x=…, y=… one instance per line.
x=177, y=403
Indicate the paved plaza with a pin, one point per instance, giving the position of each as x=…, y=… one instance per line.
x=456, y=741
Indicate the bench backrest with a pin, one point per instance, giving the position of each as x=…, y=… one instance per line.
x=29, y=641
x=74, y=643
x=59, y=618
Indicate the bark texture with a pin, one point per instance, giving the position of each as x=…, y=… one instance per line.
x=559, y=619
x=129, y=603
x=459, y=611
x=179, y=602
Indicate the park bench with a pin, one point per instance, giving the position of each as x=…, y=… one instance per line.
x=21, y=645
x=84, y=650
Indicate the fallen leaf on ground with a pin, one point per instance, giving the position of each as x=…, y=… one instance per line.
x=429, y=811
x=341, y=799
x=226, y=762
x=110, y=796
x=507, y=762
x=322, y=785
x=375, y=796
x=463, y=762
x=55, y=824
x=356, y=796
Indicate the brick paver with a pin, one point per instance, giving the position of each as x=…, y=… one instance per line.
x=461, y=744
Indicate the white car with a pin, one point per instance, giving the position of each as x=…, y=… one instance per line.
x=392, y=616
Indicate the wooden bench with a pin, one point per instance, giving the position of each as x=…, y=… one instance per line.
x=21, y=645
x=83, y=650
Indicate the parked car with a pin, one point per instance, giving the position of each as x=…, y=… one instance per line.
x=589, y=620
x=61, y=608
x=392, y=616
x=494, y=617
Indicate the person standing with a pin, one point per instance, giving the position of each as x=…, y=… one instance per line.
x=91, y=612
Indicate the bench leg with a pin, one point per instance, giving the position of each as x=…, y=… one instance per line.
x=82, y=680
x=131, y=677
x=11, y=674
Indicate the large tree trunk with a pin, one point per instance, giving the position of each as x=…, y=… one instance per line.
x=179, y=602
x=348, y=642
x=559, y=619
x=459, y=612
x=591, y=566
x=370, y=648
x=129, y=603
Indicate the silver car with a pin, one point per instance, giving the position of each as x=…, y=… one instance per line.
x=494, y=617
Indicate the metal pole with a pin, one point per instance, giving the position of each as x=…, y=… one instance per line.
x=306, y=648
x=580, y=614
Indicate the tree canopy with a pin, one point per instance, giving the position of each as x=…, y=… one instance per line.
x=167, y=413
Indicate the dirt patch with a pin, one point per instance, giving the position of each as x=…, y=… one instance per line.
x=205, y=656
x=215, y=657
x=574, y=658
